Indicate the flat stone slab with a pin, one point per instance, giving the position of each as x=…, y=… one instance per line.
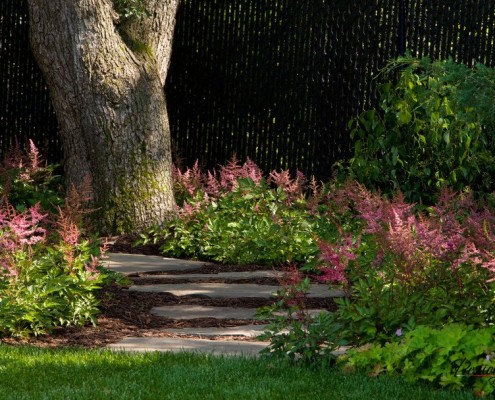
x=197, y=311
x=177, y=345
x=205, y=346
x=181, y=312
x=229, y=291
x=137, y=263
x=249, y=331
x=220, y=275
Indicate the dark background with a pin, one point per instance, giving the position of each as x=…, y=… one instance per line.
x=273, y=80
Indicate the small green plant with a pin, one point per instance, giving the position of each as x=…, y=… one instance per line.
x=455, y=356
x=434, y=127
x=294, y=332
x=131, y=9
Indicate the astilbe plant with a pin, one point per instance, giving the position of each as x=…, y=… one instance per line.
x=407, y=267
x=48, y=272
x=235, y=215
x=294, y=332
x=26, y=179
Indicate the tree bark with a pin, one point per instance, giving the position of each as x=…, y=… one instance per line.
x=106, y=85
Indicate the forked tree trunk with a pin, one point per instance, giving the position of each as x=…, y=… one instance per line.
x=106, y=86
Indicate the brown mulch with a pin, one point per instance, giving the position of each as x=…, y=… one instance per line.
x=124, y=313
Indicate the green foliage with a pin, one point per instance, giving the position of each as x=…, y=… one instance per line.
x=250, y=224
x=296, y=334
x=434, y=127
x=27, y=181
x=48, y=274
x=131, y=9
x=47, y=291
x=454, y=356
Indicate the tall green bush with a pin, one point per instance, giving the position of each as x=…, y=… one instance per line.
x=433, y=127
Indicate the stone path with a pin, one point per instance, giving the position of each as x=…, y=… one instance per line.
x=210, y=340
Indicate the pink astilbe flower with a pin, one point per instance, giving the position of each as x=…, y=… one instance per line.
x=370, y=207
x=232, y=171
x=212, y=186
x=189, y=210
x=28, y=165
x=316, y=195
x=19, y=231
x=8, y=267
x=92, y=268
x=251, y=170
x=189, y=181
x=68, y=230
x=34, y=157
x=292, y=187
x=480, y=228
x=453, y=233
x=336, y=258
x=25, y=226
x=69, y=235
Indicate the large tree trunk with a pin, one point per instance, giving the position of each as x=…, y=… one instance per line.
x=106, y=86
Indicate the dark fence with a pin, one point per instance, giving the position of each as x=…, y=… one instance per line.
x=273, y=80
x=25, y=108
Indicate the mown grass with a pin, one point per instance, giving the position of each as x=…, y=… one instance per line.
x=33, y=373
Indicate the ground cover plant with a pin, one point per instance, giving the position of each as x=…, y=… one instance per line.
x=48, y=272
x=456, y=355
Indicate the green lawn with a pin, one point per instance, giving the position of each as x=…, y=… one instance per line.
x=32, y=373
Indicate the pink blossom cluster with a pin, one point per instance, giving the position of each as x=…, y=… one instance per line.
x=28, y=164
x=214, y=184
x=454, y=232
x=19, y=231
x=294, y=188
x=336, y=258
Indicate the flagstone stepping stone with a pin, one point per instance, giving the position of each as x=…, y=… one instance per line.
x=225, y=290
x=220, y=275
x=205, y=346
x=197, y=311
x=137, y=263
x=248, y=331
x=186, y=311
x=178, y=345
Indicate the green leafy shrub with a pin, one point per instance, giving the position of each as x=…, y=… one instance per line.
x=48, y=273
x=240, y=217
x=131, y=9
x=454, y=356
x=26, y=180
x=47, y=278
x=434, y=127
